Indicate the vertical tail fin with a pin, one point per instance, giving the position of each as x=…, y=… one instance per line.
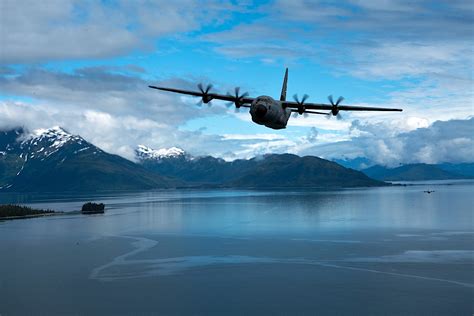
x=283, y=89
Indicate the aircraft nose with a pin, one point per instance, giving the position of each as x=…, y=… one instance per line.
x=261, y=110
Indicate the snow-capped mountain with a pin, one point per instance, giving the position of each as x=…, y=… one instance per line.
x=43, y=143
x=146, y=153
x=55, y=160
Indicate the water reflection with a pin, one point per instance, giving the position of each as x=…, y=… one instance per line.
x=270, y=212
x=169, y=251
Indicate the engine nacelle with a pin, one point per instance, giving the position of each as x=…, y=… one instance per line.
x=206, y=99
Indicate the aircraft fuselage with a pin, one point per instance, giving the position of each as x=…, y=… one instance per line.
x=267, y=111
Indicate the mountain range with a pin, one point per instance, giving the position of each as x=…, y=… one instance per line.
x=273, y=170
x=410, y=172
x=421, y=172
x=53, y=160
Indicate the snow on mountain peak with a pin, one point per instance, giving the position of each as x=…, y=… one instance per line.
x=56, y=137
x=145, y=152
x=50, y=131
x=42, y=143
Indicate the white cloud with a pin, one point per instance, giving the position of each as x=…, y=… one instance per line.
x=395, y=59
x=442, y=141
x=32, y=31
x=321, y=121
x=253, y=136
x=390, y=39
x=312, y=135
x=98, y=88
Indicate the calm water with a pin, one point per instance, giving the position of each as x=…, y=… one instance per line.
x=393, y=250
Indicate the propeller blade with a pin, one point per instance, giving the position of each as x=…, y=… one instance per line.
x=339, y=100
x=199, y=103
x=303, y=100
x=237, y=97
x=204, y=91
x=237, y=110
x=339, y=116
x=229, y=104
x=209, y=87
x=330, y=99
x=305, y=114
x=295, y=114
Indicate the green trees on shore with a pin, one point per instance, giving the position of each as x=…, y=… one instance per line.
x=11, y=210
x=93, y=208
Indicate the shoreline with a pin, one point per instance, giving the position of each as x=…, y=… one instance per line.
x=30, y=216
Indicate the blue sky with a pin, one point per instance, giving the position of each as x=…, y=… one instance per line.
x=87, y=64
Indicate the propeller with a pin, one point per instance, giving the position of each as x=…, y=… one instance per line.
x=238, y=98
x=335, y=109
x=205, y=98
x=301, y=107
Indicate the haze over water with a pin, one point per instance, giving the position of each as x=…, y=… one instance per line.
x=390, y=250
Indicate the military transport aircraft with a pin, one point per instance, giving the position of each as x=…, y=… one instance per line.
x=274, y=113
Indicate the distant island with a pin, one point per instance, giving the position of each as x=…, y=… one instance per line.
x=93, y=208
x=11, y=211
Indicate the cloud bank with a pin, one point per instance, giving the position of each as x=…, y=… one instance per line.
x=66, y=63
x=37, y=31
x=442, y=141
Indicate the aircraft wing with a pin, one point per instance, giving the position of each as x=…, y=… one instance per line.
x=320, y=106
x=365, y=108
x=243, y=101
